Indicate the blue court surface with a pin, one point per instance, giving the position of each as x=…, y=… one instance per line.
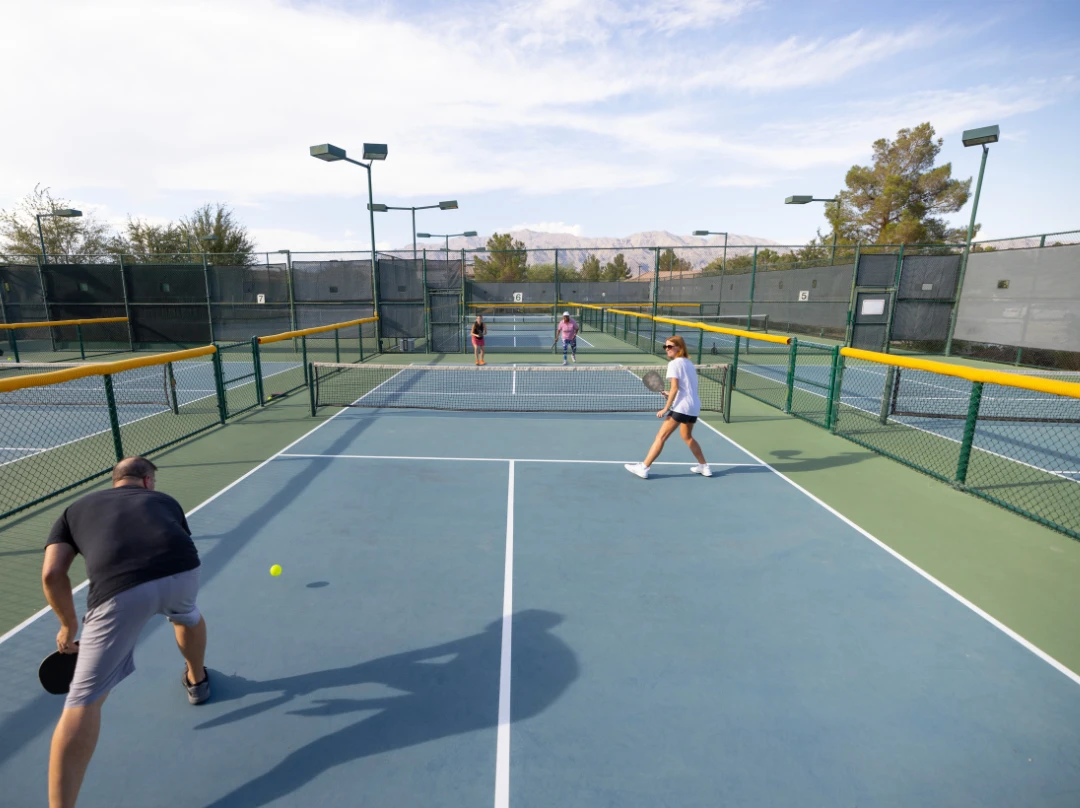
x=486, y=609
x=1044, y=446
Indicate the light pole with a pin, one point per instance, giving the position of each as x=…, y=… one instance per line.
x=466, y=234
x=803, y=200
x=204, y=239
x=723, y=264
x=372, y=152
x=983, y=136
x=449, y=205
x=63, y=213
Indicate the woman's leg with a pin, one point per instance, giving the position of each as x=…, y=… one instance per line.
x=666, y=428
x=481, y=354
x=687, y=432
x=476, y=351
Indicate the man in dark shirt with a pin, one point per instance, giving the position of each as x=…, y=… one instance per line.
x=141, y=562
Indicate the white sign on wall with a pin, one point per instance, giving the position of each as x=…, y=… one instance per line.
x=872, y=306
x=260, y=298
x=804, y=296
x=518, y=297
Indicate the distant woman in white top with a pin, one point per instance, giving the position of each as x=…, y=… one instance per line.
x=567, y=329
x=681, y=408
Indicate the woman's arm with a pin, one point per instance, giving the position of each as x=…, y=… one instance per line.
x=674, y=391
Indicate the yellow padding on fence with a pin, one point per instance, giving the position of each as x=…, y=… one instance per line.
x=100, y=369
x=631, y=314
x=735, y=332
x=13, y=326
x=582, y=305
x=305, y=332
x=1036, y=383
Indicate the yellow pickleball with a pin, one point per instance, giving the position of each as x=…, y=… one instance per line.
x=275, y=570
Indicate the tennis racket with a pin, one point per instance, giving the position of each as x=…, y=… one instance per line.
x=653, y=381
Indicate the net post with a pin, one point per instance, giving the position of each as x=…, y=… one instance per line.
x=970, y=423
x=792, y=352
x=888, y=394
x=728, y=384
x=127, y=304
x=735, y=363
x=256, y=363
x=829, y=409
x=82, y=345
x=427, y=302
x=114, y=420
x=337, y=345
x=311, y=390
x=219, y=383
x=170, y=384
x=700, y=342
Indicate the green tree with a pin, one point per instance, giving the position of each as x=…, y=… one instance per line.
x=180, y=242
x=670, y=262
x=77, y=236
x=900, y=198
x=616, y=269
x=145, y=242
x=506, y=262
x=540, y=273
x=590, y=268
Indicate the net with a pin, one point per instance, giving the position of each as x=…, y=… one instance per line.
x=145, y=386
x=921, y=394
x=505, y=388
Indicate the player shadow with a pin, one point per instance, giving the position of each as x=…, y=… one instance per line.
x=789, y=460
x=445, y=690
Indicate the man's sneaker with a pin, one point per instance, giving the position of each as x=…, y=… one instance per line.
x=704, y=470
x=573, y=359
x=564, y=361
x=640, y=469
x=196, y=694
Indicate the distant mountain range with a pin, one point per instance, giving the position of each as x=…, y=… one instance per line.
x=636, y=248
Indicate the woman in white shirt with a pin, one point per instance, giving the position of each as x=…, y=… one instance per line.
x=681, y=408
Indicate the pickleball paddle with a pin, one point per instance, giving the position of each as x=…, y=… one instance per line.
x=653, y=381
x=56, y=672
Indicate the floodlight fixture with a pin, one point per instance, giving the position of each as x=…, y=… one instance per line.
x=449, y=205
x=981, y=136
x=208, y=238
x=66, y=213
x=469, y=234
x=424, y=235
x=374, y=151
x=723, y=262
x=799, y=200
x=701, y=232
x=378, y=208
x=330, y=154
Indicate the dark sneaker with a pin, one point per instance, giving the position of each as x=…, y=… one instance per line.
x=196, y=694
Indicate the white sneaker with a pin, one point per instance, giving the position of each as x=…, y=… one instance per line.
x=564, y=361
x=640, y=469
x=573, y=359
x=704, y=471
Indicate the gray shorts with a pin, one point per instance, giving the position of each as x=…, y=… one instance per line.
x=111, y=629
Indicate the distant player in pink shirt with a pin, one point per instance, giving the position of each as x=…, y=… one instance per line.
x=567, y=330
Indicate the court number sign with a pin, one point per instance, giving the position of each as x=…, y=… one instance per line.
x=260, y=298
x=804, y=295
x=518, y=297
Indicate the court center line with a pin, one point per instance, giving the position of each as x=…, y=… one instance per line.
x=497, y=459
x=1045, y=657
x=502, y=742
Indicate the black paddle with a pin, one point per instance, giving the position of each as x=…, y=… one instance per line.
x=56, y=672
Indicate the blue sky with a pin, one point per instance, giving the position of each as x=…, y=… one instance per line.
x=599, y=118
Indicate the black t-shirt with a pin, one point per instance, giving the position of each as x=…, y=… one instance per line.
x=128, y=535
x=478, y=329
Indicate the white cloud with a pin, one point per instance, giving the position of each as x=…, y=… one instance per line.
x=549, y=227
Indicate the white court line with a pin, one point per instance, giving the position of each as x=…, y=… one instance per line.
x=197, y=508
x=1045, y=657
x=495, y=459
x=502, y=742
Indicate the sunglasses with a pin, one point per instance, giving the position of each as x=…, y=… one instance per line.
x=670, y=347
